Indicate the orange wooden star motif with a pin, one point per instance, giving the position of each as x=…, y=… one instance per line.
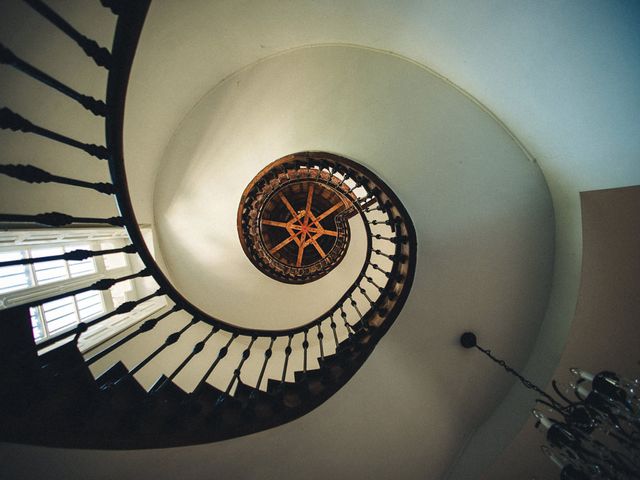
x=304, y=228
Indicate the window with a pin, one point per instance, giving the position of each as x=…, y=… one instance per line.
x=20, y=284
x=38, y=280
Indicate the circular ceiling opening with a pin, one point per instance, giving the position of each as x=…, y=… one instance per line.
x=293, y=220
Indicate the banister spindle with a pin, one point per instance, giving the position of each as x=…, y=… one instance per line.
x=10, y=120
x=97, y=107
x=354, y=304
x=287, y=354
x=398, y=277
x=333, y=329
x=343, y=314
x=267, y=356
x=82, y=327
x=146, y=326
x=397, y=239
x=236, y=373
x=103, y=284
x=305, y=347
x=320, y=337
x=74, y=255
x=170, y=340
x=197, y=348
x=221, y=354
x=394, y=258
x=31, y=174
x=372, y=282
x=99, y=54
x=57, y=219
x=364, y=293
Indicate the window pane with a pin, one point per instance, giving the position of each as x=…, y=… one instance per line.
x=36, y=323
x=60, y=314
x=16, y=277
x=89, y=304
x=47, y=272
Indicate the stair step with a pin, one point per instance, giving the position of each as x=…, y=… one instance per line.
x=273, y=386
x=243, y=392
x=166, y=390
x=16, y=341
x=115, y=372
x=289, y=394
x=166, y=405
x=18, y=363
x=202, y=400
x=119, y=390
x=64, y=369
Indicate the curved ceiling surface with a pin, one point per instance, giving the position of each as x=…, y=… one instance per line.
x=481, y=208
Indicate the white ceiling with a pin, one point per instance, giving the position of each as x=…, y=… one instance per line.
x=465, y=183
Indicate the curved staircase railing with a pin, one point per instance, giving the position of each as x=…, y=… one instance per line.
x=51, y=396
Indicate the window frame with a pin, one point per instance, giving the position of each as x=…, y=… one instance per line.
x=31, y=240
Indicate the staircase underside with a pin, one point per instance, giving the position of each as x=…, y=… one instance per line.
x=54, y=400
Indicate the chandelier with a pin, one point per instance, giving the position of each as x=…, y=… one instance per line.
x=591, y=426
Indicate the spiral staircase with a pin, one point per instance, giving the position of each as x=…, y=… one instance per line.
x=51, y=396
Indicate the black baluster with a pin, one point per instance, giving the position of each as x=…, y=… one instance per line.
x=221, y=354
x=146, y=326
x=398, y=277
x=82, y=326
x=267, y=355
x=31, y=174
x=170, y=340
x=354, y=304
x=97, y=107
x=364, y=292
x=57, y=219
x=372, y=282
x=99, y=54
x=126, y=307
x=305, y=347
x=378, y=222
x=74, y=255
x=396, y=240
x=320, y=337
x=103, y=284
x=343, y=314
x=197, y=348
x=10, y=120
x=396, y=257
x=333, y=329
x=236, y=373
x=287, y=354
